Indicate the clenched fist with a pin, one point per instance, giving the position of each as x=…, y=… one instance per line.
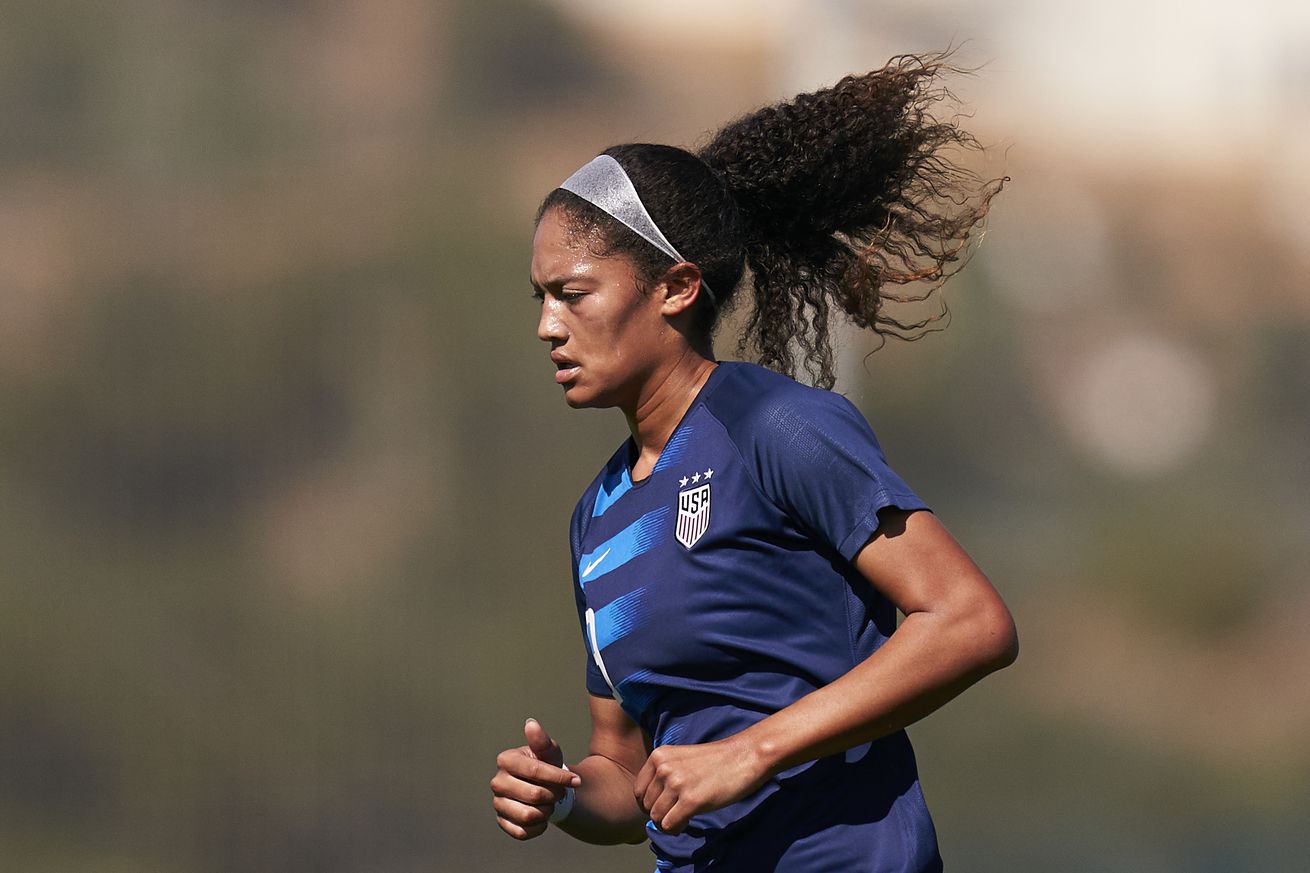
x=529, y=781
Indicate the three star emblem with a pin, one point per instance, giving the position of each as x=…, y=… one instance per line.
x=696, y=477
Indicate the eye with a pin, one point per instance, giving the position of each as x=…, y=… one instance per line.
x=571, y=296
x=538, y=294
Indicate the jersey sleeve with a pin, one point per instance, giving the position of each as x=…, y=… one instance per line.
x=596, y=683
x=819, y=461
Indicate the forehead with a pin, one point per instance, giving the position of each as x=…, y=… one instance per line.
x=559, y=250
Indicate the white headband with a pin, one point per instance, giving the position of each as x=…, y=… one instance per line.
x=603, y=183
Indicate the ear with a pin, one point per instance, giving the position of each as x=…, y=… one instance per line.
x=680, y=288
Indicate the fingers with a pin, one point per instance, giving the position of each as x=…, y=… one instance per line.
x=643, y=781
x=541, y=744
x=529, y=781
x=675, y=818
x=661, y=807
x=521, y=764
x=648, y=798
x=671, y=811
x=655, y=777
x=523, y=807
x=662, y=791
x=519, y=832
x=522, y=821
x=521, y=791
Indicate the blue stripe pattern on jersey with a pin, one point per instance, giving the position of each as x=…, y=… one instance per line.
x=674, y=449
x=610, y=491
x=625, y=545
x=671, y=735
x=620, y=618
x=638, y=693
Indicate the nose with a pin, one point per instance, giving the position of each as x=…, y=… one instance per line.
x=550, y=327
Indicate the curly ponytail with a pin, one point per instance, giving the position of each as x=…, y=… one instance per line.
x=830, y=198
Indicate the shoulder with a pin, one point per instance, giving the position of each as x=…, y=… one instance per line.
x=813, y=454
x=764, y=410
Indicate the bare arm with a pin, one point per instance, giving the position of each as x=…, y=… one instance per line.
x=605, y=809
x=531, y=779
x=956, y=630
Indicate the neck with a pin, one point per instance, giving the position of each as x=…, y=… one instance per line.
x=669, y=395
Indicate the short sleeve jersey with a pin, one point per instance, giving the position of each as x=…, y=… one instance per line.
x=720, y=589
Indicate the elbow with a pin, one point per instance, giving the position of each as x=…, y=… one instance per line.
x=997, y=639
x=993, y=641
x=1009, y=653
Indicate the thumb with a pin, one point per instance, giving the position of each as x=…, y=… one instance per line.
x=541, y=745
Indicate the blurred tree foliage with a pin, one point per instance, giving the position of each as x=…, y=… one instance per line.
x=284, y=482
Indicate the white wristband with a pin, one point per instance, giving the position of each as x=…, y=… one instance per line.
x=564, y=805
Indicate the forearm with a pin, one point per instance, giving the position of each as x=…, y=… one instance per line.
x=604, y=809
x=926, y=662
x=956, y=631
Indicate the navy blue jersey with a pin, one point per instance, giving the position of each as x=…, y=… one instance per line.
x=720, y=589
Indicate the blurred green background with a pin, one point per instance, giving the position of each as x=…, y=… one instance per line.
x=284, y=478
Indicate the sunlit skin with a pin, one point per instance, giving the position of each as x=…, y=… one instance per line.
x=614, y=345
x=635, y=351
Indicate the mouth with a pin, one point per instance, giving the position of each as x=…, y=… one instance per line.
x=565, y=371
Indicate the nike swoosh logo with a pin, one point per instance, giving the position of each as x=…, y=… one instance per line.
x=592, y=565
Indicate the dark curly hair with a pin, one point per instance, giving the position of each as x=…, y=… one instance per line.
x=831, y=198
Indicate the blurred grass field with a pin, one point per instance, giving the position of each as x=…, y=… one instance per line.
x=284, y=479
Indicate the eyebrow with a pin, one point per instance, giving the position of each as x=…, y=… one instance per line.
x=558, y=281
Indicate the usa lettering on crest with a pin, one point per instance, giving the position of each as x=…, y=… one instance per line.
x=693, y=514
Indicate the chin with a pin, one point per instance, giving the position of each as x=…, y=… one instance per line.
x=578, y=397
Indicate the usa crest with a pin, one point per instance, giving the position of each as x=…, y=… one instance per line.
x=693, y=514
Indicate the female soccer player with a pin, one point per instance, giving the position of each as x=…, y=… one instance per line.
x=739, y=561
